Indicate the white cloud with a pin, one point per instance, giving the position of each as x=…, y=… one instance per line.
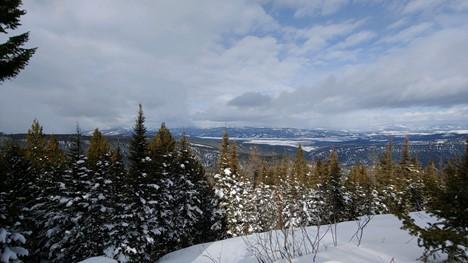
x=303, y=8
x=207, y=62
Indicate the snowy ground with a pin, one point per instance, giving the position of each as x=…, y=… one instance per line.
x=98, y=260
x=383, y=242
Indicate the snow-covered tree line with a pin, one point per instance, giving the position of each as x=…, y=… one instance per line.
x=64, y=207
x=58, y=207
x=262, y=195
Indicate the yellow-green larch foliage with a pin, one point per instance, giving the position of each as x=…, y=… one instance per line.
x=162, y=144
x=281, y=171
x=233, y=161
x=35, y=145
x=161, y=151
x=359, y=176
x=319, y=173
x=300, y=170
x=254, y=168
x=386, y=167
x=55, y=155
x=98, y=148
x=223, y=161
x=405, y=154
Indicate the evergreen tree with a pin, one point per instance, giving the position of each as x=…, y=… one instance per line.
x=160, y=192
x=448, y=205
x=334, y=190
x=13, y=56
x=13, y=172
x=31, y=191
x=65, y=220
x=229, y=191
x=138, y=157
x=98, y=197
x=161, y=150
x=140, y=230
x=122, y=228
x=193, y=199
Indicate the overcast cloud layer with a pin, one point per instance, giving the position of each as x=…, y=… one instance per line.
x=341, y=64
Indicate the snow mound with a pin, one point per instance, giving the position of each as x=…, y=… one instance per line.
x=383, y=241
x=98, y=260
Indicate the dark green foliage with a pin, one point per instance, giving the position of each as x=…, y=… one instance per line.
x=334, y=190
x=196, y=198
x=13, y=56
x=14, y=176
x=137, y=157
x=449, y=204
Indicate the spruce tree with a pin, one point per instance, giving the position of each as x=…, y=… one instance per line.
x=31, y=191
x=138, y=157
x=448, y=204
x=334, y=189
x=140, y=233
x=65, y=220
x=13, y=56
x=194, y=207
x=122, y=198
x=13, y=172
x=98, y=194
x=160, y=192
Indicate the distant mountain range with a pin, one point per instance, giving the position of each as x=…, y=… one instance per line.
x=437, y=144
x=291, y=133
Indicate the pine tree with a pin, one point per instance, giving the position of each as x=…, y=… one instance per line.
x=13, y=56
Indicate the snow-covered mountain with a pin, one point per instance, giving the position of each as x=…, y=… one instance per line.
x=291, y=133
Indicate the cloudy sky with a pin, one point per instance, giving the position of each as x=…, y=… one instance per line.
x=341, y=64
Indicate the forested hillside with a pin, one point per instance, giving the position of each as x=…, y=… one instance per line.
x=65, y=206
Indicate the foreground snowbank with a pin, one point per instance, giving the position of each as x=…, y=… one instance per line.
x=98, y=260
x=383, y=241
